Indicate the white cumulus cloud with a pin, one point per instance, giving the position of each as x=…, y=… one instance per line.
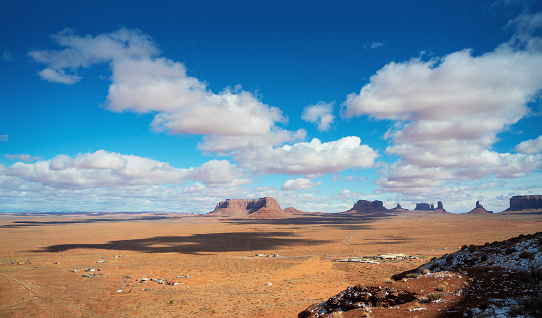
x=300, y=184
x=143, y=82
x=530, y=146
x=448, y=112
x=109, y=169
x=320, y=114
x=310, y=157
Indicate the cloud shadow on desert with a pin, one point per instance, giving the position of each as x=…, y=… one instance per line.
x=198, y=243
x=19, y=224
x=327, y=219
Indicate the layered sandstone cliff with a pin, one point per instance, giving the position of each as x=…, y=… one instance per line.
x=264, y=208
x=525, y=202
x=431, y=207
x=367, y=206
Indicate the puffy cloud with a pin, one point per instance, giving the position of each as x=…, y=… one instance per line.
x=458, y=85
x=109, y=169
x=58, y=76
x=224, y=144
x=448, y=112
x=216, y=172
x=300, y=184
x=146, y=84
x=85, y=51
x=195, y=188
x=142, y=82
x=22, y=157
x=310, y=157
x=224, y=114
x=530, y=146
x=320, y=114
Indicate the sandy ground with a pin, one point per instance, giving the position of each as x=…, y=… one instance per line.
x=43, y=260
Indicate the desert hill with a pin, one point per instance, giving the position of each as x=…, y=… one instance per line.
x=263, y=208
x=499, y=279
x=398, y=208
x=479, y=209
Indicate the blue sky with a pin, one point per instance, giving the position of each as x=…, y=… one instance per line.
x=174, y=106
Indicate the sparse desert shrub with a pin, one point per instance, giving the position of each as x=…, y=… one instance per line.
x=510, y=250
x=434, y=296
x=484, y=258
x=450, y=260
x=483, y=305
x=528, y=305
x=464, y=247
x=433, y=258
x=426, y=271
x=412, y=275
x=532, y=276
x=433, y=266
x=525, y=255
x=441, y=287
x=475, y=259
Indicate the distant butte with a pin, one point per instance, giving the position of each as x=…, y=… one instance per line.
x=264, y=208
x=479, y=209
x=398, y=208
x=363, y=206
x=525, y=202
x=431, y=207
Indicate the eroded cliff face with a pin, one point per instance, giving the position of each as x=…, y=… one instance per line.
x=479, y=209
x=367, y=206
x=524, y=202
x=267, y=207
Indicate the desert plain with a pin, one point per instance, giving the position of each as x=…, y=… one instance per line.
x=223, y=267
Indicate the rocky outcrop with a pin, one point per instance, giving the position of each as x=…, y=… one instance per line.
x=264, y=208
x=525, y=202
x=398, y=208
x=356, y=298
x=431, y=207
x=479, y=209
x=367, y=206
x=424, y=207
x=470, y=272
